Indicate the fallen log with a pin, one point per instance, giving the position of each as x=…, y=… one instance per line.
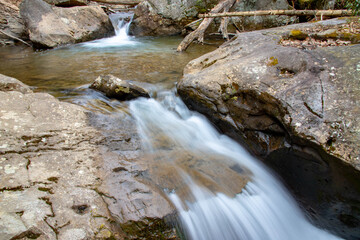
x=199, y=32
x=333, y=13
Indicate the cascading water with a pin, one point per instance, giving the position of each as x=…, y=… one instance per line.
x=121, y=22
x=219, y=190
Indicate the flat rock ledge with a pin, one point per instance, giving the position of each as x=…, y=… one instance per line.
x=296, y=108
x=59, y=180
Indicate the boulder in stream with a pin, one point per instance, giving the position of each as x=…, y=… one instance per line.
x=296, y=107
x=49, y=26
x=114, y=87
x=62, y=177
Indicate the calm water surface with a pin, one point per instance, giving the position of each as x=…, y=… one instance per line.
x=60, y=71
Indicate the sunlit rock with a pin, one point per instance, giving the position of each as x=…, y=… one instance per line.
x=50, y=26
x=114, y=87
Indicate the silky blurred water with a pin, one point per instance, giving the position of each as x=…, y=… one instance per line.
x=201, y=166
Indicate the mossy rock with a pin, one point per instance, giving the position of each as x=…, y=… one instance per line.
x=296, y=34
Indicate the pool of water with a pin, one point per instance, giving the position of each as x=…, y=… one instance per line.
x=62, y=70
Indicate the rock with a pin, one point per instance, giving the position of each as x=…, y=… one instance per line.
x=261, y=22
x=169, y=17
x=297, y=109
x=67, y=3
x=147, y=22
x=10, y=22
x=12, y=84
x=61, y=178
x=49, y=26
x=114, y=87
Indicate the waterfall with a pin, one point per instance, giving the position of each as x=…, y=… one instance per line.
x=218, y=188
x=121, y=22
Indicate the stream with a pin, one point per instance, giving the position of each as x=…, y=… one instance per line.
x=218, y=188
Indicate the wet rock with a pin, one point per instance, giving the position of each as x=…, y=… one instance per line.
x=296, y=108
x=50, y=26
x=114, y=87
x=12, y=84
x=55, y=181
x=10, y=22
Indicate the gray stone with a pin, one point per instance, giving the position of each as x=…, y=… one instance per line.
x=12, y=84
x=11, y=22
x=60, y=178
x=49, y=26
x=298, y=109
x=261, y=22
x=114, y=87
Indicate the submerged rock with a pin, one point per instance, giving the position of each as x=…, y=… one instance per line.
x=61, y=178
x=298, y=109
x=50, y=26
x=114, y=87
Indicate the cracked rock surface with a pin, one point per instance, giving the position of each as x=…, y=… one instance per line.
x=296, y=108
x=60, y=178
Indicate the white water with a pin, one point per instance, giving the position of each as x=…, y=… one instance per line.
x=262, y=210
x=121, y=22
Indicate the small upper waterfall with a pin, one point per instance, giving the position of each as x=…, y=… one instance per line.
x=220, y=191
x=121, y=22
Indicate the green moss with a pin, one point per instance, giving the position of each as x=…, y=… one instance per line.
x=122, y=89
x=298, y=34
x=273, y=61
x=353, y=37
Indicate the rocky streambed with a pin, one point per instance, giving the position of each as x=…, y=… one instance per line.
x=69, y=172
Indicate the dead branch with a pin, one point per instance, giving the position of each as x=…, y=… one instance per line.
x=332, y=13
x=13, y=37
x=199, y=32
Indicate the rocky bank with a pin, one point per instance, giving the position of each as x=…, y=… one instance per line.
x=294, y=107
x=61, y=178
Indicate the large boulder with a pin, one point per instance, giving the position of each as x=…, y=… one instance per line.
x=11, y=23
x=260, y=22
x=62, y=179
x=50, y=26
x=169, y=17
x=296, y=108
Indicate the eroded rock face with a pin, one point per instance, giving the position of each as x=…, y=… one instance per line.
x=61, y=178
x=49, y=26
x=296, y=108
x=10, y=22
x=114, y=87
